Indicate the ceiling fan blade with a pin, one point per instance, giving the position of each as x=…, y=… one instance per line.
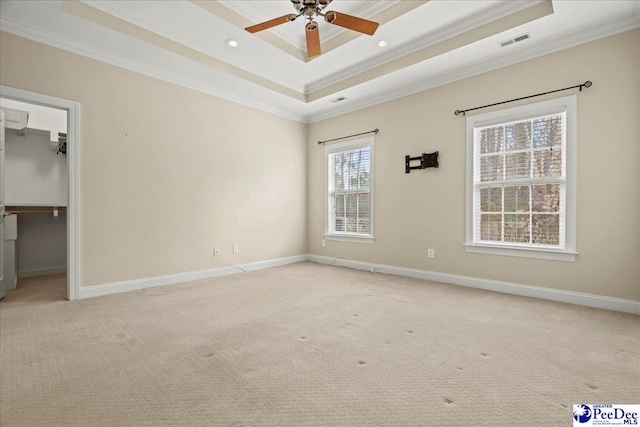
x=272, y=23
x=313, y=39
x=351, y=22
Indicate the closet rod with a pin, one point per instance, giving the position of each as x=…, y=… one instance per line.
x=585, y=84
x=349, y=136
x=9, y=212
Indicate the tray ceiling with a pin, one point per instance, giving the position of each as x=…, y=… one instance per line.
x=427, y=43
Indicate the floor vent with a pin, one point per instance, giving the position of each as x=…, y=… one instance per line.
x=515, y=40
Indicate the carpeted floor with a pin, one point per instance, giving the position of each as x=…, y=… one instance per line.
x=307, y=345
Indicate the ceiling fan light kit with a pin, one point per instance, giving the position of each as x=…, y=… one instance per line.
x=314, y=8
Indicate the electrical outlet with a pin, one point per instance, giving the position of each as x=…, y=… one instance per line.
x=236, y=249
x=431, y=253
x=216, y=251
x=324, y=243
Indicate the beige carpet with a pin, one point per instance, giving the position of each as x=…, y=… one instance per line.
x=308, y=345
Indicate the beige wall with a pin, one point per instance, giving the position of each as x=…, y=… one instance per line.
x=426, y=209
x=167, y=172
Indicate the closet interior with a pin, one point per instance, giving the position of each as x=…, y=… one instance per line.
x=34, y=193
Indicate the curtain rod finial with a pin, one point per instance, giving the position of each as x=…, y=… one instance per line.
x=587, y=83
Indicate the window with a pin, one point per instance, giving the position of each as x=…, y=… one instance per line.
x=349, y=191
x=521, y=181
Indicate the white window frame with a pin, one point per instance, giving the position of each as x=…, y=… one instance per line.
x=568, y=252
x=348, y=146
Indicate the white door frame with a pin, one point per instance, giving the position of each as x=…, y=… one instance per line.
x=73, y=176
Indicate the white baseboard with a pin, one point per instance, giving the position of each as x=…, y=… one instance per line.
x=171, y=279
x=42, y=272
x=578, y=298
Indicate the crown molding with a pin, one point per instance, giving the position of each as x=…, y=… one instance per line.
x=505, y=9
x=482, y=67
x=57, y=41
x=369, y=10
x=486, y=17
x=173, y=34
x=83, y=49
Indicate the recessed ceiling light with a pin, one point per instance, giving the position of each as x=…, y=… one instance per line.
x=232, y=42
x=382, y=43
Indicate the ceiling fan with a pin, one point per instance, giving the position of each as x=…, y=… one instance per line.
x=314, y=8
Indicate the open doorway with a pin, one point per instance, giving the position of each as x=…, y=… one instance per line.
x=39, y=190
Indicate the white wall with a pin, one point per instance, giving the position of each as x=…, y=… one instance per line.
x=41, y=118
x=41, y=244
x=35, y=175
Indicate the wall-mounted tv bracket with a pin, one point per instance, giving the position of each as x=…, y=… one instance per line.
x=426, y=161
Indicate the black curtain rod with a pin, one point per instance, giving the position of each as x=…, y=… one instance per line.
x=585, y=84
x=350, y=136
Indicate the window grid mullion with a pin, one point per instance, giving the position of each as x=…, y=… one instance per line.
x=360, y=191
x=530, y=185
x=530, y=214
x=357, y=213
x=344, y=212
x=502, y=217
x=504, y=178
x=523, y=181
x=523, y=213
x=498, y=153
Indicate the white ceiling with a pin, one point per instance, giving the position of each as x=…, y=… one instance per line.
x=192, y=51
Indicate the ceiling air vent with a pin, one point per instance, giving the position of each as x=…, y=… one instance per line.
x=515, y=40
x=336, y=100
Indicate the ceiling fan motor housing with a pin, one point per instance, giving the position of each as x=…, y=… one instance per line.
x=310, y=7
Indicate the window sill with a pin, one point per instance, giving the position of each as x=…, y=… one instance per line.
x=354, y=238
x=549, y=254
